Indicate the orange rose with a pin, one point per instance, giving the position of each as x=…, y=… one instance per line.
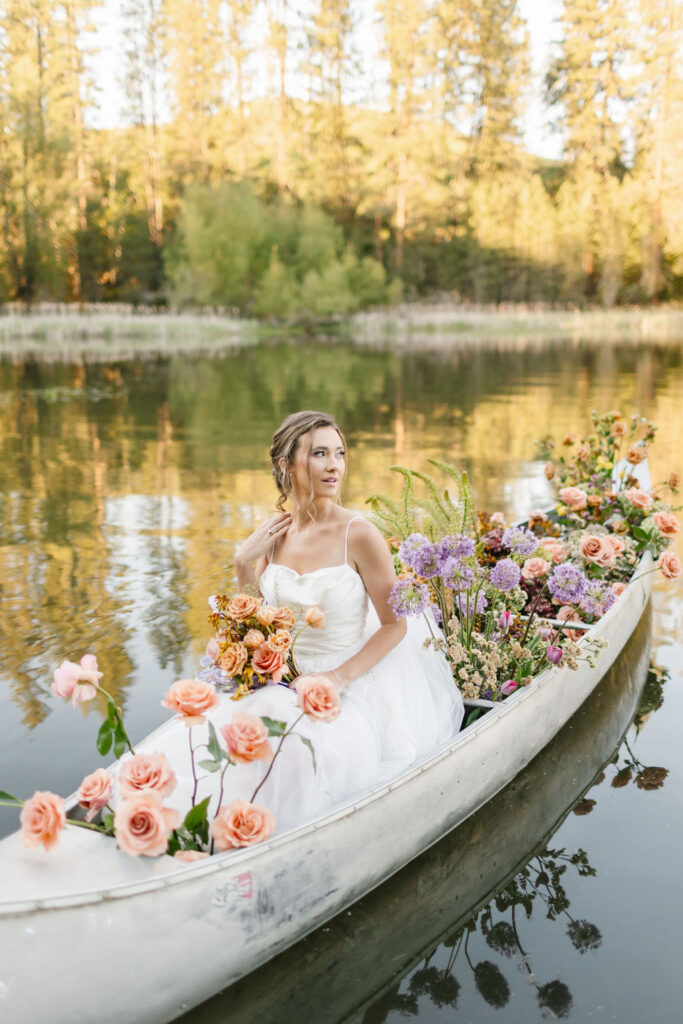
x=535, y=567
x=233, y=659
x=191, y=698
x=253, y=639
x=597, y=550
x=246, y=739
x=670, y=565
x=638, y=498
x=241, y=824
x=284, y=618
x=268, y=662
x=315, y=618
x=636, y=454
x=265, y=615
x=280, y=641
x=666, y=523
x=574, y=498
x=142, y=824
x=95, y=792
x=318, y=697
x=146, y=771
x=243, y=606
x=549, y=470
x=42, y=819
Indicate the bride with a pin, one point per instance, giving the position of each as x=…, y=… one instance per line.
x=399, y=700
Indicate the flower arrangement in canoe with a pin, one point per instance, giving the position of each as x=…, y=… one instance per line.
x=505, y=602
x=130, y=802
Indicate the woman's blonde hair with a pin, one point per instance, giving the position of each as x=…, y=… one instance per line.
x=286, y=441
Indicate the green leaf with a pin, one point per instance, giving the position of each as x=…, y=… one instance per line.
x=108, y=822
x=210, y=766
x=213, y=745
x=105, y=738
x=111, y=712
x=196, y=815
x=119, y=740
x=274, y=728
x=8, y=796
x=307, y=743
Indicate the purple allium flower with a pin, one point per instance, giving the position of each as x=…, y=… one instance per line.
x=457, y=575
x=567, y=583
x=455, y=545
x=410, y=546
x=505, y=620
x=508, y=687
x=465, y=604
x=505, y=574
x=487, y=694
x=519, y=541
x=597, y=598
x=554, y=655
x=426, y=560
x=408, y=598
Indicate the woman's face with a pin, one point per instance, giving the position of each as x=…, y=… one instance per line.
x=320, y=468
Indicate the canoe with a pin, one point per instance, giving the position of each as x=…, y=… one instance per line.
x=146, y=940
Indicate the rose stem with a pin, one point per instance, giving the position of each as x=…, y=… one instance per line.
x=194, y=770
x=279, y=748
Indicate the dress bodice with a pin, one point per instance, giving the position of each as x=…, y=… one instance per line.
x=339, y=591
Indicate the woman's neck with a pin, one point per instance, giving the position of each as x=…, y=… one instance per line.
x=316, y=513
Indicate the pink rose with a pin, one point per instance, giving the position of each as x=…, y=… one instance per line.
x=241, y=824
x=142, y=824
x=42, y=819
x=268, y=662
x=618, y=588
x=597, y=550
x=639, y=498
x=670, y=565
x=318, y=697
x=146, y=771
x=265, y=615
x=567, y=614
x=95, y=792
x=509, y=686
x=535, y=567
x=253, y=638
x=536, y=517
x=616, y=543
x=549, y=470
x=246, y=738
x=191, y=698
x=666, y=523
x=498, y=519
x=189, y=855
x=213, y=649
x=76, y=681
x=315, y=618
x=574, y=498
x=555, y=549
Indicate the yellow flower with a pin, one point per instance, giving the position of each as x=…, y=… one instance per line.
x=561, y=510
x=603, y=463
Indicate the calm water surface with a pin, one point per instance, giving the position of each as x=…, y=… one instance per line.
x=124, y=489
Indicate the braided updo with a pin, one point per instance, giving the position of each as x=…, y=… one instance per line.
x=286, y=441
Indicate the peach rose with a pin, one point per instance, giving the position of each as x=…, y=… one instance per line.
x=142, y=824
x=280, y=641
x=243, y=606
x=241, y=824
x=318, y=697
x=95, y=792
x=498, y=519
x=76, y=681
x=268, y=662
x=618, y=587
x=535, y=567
x=618, y=429
x=594, y=500
x=189, y=855
x=569, y=440
x=536, y=517
x=284, y=618
x=574, y=498
x=42, y=819
x=666, y=523
x=146, y=771
x=265, y=615
x=636, y=454
x=638, y=498
x=549, y=470
x=616, y=543
x=213, y=649
x=597, y=550
x=567, y=613
x=582, y=453
x=191, y=698
x=673, y=481
x=555, y=549
x=246, y=738
x=233, y=659
x=253, y=639
x=670, y=564
x=315, y=618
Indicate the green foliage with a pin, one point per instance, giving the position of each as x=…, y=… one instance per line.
x=436, y=515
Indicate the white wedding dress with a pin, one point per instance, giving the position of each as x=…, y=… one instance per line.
x=392, y=716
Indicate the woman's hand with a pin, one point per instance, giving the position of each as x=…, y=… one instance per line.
x=258, y=544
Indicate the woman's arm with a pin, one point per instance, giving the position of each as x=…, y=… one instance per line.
x=376, y=568
x=255, y=548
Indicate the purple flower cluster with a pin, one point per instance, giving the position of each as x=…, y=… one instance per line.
x=408, y=598
x=465, y=604
x=505, y=575
x=519, y=541
x=457, y=575
x=597, y=598
x=410, y=546
x=567, y=583
x=455, y=545
x=429, y=560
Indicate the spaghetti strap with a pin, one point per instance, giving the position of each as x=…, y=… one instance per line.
x=346, y=537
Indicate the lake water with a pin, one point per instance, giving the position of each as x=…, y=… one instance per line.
x=124, y=489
